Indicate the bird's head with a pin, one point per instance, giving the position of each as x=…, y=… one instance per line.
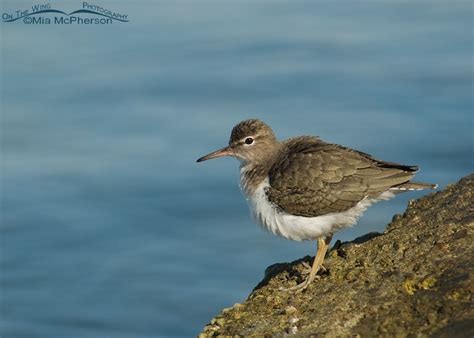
x=251, y=141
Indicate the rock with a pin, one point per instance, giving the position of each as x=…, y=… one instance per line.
x=290, y=309
x=415, y=279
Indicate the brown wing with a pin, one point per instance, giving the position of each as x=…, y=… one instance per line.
x=320, y=178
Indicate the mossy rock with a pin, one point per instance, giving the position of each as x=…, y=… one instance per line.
x=415, y=279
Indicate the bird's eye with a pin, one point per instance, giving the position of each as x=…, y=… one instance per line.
x=248, y=140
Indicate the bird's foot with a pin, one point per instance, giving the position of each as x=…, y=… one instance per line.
x=307, y=268
x=301, y=286
x=323, y=244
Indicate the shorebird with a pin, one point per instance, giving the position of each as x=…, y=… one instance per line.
x=306, y=189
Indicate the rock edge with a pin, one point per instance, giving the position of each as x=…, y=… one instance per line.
x=414, y=279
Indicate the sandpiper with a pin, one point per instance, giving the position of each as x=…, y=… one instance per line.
x=306, y=189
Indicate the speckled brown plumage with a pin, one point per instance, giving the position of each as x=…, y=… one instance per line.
x=313, y=178
x=307, y=176
x=304, y=188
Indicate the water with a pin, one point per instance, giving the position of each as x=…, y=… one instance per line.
x=108, y=226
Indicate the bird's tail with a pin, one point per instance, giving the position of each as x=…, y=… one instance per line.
x=414, y=186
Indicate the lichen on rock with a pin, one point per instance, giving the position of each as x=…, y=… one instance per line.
x=414, y=279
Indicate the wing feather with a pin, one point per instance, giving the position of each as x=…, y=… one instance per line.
x=318, y=178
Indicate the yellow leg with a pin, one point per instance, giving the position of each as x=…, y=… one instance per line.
x=323, y=245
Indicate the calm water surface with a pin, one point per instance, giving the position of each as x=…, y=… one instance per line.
x=108, y=226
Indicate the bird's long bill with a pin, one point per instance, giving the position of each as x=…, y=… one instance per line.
x=226, y=151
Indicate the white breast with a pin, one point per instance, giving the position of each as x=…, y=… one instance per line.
x=299, y=228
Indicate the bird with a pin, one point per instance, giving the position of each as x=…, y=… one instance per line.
x=304, y=188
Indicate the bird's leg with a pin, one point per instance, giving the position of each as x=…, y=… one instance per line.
x=323, y=245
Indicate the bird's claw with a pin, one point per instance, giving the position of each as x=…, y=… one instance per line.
x=301, y=286
x=307, y=268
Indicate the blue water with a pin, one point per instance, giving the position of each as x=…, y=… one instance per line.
x=108, y=226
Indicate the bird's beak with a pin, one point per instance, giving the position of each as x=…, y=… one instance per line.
x=226, y=151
